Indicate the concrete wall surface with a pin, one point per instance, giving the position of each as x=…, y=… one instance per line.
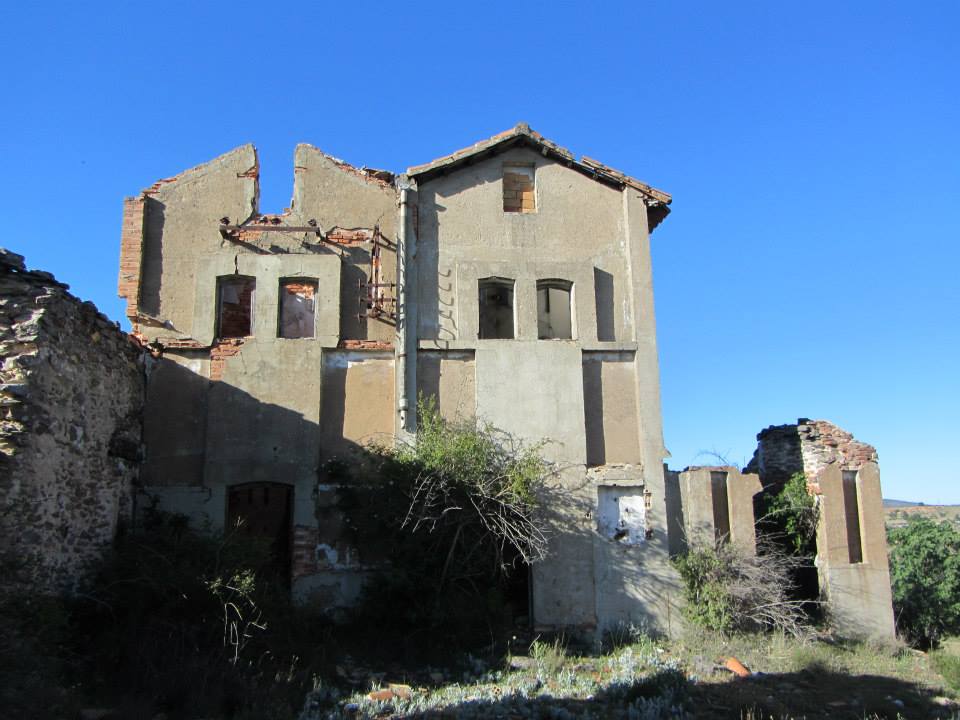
x=852, y=553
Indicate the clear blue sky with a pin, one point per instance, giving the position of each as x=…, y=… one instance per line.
x=809, y=268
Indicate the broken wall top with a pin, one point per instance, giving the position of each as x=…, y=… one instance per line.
x=807, y=447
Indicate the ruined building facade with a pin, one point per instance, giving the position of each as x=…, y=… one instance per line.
x=511, y=281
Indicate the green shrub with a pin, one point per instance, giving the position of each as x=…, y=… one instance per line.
x=709, y=604
x=925, y=577
x=452, y=515
x=791, y=516
x=727, y=590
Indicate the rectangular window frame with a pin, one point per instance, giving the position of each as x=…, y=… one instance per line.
x=486, y=284
x=282, y=294
x=224, y=281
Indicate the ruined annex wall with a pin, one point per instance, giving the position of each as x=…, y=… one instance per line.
x=842, y=473
x=807, y=447
x=70, y=434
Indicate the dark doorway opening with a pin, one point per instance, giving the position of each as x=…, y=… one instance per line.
x=517, y=591
x=263, y=511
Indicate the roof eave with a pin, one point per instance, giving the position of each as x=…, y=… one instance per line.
x=521, y=133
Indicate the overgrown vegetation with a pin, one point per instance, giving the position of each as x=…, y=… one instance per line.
x=728, y=590
x=685, y=678
x=632, y=682
x=452, y=518
x=176, y=621
x=925, y=577
x=790, y=516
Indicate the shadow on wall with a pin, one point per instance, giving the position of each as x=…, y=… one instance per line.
x=154, y=218
x=603, y=290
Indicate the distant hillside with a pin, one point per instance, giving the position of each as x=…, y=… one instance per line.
x=897, y=515
x=888, y=503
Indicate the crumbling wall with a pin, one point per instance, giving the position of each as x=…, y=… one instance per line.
x=70, y=429
x=807, y=447
x=718, y=507
x=843, y=475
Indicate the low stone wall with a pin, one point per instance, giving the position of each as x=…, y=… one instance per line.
x=71, y=399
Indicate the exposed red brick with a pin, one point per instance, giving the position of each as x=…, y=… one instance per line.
x=131, y=254
x=349, y=236
x=219, y=353
x=304, y=549
x=365, y=345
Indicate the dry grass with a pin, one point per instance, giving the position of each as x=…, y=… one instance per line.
x=683, y=679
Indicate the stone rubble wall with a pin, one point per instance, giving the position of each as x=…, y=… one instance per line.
x=809, y=446
x=71, y=399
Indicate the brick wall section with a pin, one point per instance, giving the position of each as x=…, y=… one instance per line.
x=807, y=447
x=365, y=345
x=518, y=189
x=347, y=236
x=71, y=399
x=305, y=541
x=131, y=252
x=219, y=353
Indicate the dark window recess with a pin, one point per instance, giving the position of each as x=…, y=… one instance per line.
x=554, y=318
x=721, y=507
x=297, y=308
x=263, y=511
x=235, y=306
x=496, y=309
x=851, y=509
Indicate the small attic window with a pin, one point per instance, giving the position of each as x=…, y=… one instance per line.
x=496, y=308
x=519, y=191
x=235, y=306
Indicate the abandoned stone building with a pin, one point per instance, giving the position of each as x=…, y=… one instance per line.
x=511, y=282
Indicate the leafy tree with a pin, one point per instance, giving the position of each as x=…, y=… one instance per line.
x=925, y=576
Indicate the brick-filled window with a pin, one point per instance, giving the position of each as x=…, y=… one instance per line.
x=297, y=308
x=554, y=318
x=519, y=192
x=496, y=308
x=235, y=295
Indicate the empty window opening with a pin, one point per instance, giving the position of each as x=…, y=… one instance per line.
x=297, y=307
x=496, y=309
x=235, y=294
x=721, y=507
x=519, y=193
x=553, y=310
x=851, y=509
x=622, y=514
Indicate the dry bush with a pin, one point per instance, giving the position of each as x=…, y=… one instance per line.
x=729, y=590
